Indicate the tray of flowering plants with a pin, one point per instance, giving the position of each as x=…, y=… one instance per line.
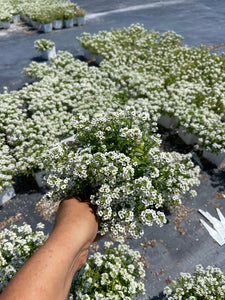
x=115, y=161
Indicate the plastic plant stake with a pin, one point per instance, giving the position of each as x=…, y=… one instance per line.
x=69, y=139
x=218, y=232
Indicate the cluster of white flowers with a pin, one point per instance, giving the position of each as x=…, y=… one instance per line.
x=11, y=116
x=17, y=244
x=185, y=82
x=7, y=165
x=206, y=283
x=116, y=274
x=115, y=160
x=43, y=45
x=37, y=70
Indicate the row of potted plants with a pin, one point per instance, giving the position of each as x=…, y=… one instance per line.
x=41, y=14
x=56, y=16
x=58, y=90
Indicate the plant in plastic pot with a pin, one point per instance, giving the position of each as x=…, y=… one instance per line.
x=45, y=18
x=15, y=11
x=7, y=172
x=80, y=16
x=57, y=17
x=5, y=18
x=68, y=16
x=45, y=47
x=34, y=19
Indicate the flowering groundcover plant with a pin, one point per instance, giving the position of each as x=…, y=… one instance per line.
x=205, y=284
x=174, y=78
x=115, y=274
x=116, y=161
x=7, y=165
x=17, y=244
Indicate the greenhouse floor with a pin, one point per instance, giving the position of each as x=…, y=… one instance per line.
x=182, y=243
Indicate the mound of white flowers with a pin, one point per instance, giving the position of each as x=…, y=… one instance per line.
x=116, y=161
x=7, y=165
x=115, y=274
x=17, y=244
x=183, y=82
x=207, y=284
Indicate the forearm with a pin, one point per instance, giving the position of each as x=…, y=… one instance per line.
x=49, y=272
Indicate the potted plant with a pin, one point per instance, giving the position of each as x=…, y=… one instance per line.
x=34, y=19
x=188, y=137
x=57, y=18
x=46, y=48
x=45, y=18
x=15, y=14
x=17, y=245
x=7, y=171
x=5, y=19
x=68, y=17
x=80, y=16
x=167, y=121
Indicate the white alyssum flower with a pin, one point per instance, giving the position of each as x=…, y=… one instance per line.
x=119, y=276
x=7, y=165
x=17, y=244
x=208, y=283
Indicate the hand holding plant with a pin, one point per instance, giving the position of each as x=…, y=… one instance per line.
x=115, y=161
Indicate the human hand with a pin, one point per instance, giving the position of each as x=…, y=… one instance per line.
x=77, y=220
